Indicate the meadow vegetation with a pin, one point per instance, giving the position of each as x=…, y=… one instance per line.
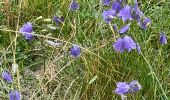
x=50, y=66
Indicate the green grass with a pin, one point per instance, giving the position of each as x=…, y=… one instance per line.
x=49, y=73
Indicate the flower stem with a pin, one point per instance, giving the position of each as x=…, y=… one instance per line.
x=123, y=97
x=112, y=31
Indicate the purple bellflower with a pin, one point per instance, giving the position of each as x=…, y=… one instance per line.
x=124, y=29
x=125, y=43
x=75, y=51
x=137, y=10
x=14, y=95
x=145, y=23
x=119, y=45
x=134, y=86
x=137, y=18
x=116, y=6
x=129, y=43
x=74, y=5
x=58, y=20
x=26, y=30
x=122, y=88
x=106, y=2
x=28, y=36
x=108, y=15
x=7, y=76
x=125, y=13
x=137, y=13
x=163, y=39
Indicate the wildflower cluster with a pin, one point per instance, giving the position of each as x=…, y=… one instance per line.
x=27, y=32
x=118, y=10
x=128, y=13
x=13, y=94
x=7, y=76
x=125, y=12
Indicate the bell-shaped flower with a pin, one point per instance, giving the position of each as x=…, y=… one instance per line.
x=108, y=15
x=163, y=39
x=75, y=51
x=124, y=29
x=116, y=6
x=122, y=88
x=26, y=30
x=125, y=13
x=135, y=86
x=14, y=95
x=125, y=43
x=145, y=23
x=7, y=76
x=74, y=5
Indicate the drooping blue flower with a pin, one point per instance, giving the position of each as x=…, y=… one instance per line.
x=125, y=43
x=106, y=2
x=125, y=13
x=26, y=30
x=145, y=23
x=134, y=86
x=14, y=95
x=74, y=5
x=122, y=88
x=58, y=20
x=137, y=18
x=119, y=45
x=138, y=14
x=129, y=43
x=75, y=51
x=116, y=6
x=28, y=36
x=163, y=39
x=124, y=29
x=7, y=76
x=137, y=10
x=108, y=15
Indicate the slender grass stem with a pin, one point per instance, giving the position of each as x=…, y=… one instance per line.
x=15, y=44
x=154, y=75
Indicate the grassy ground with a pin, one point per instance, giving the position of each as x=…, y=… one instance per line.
x=49, y=73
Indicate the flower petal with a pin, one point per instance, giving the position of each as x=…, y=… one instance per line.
x=124, y=29
x=125, y=13
x=119, y=45
x=163, y=39
x=129, y=43
x=75, y=51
